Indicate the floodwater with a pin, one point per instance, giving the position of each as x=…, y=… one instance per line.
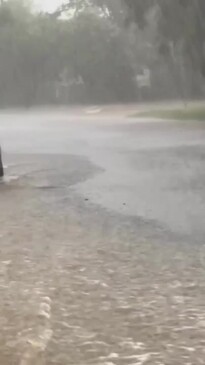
x=94, y=269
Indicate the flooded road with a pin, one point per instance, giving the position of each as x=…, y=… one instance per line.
x=102, y=257
x=153, y=170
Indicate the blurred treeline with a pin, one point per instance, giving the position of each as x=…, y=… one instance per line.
x=87, y=53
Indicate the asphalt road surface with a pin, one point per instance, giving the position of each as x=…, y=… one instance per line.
x=153, y=171
x=107, y=224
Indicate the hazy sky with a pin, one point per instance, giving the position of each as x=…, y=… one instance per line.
x=48, y=4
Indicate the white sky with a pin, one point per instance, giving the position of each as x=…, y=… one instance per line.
x=48, y=5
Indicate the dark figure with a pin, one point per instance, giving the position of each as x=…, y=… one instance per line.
x=1, y=165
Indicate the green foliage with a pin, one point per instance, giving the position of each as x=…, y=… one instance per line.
x=193, y=113
x=37, y=49
x=84, y=53
x=99, y=56
x=180, y=22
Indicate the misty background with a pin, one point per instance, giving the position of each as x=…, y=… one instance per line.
x=101, y=51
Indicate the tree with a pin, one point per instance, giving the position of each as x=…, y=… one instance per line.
x=37, y=50
x=97, y=53
x=179, y=22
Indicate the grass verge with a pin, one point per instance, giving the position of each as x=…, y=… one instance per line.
x=185, y=113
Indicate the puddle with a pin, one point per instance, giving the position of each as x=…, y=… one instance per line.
x=45, y=172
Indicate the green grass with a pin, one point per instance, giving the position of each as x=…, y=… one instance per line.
x=186, y=113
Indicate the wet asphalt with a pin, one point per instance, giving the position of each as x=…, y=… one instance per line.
x=142, y=171
x=102, y=228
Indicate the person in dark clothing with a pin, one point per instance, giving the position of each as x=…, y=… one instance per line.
x=1, y=165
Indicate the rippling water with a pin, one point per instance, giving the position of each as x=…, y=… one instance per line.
x=98, y=296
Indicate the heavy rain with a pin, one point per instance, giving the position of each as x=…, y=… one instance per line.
x=102, y=182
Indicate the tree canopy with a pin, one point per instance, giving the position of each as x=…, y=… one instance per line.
x=179, y=21
x=93, y=51
x=37, y=50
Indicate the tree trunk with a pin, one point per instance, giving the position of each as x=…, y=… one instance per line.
x=1, y=165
